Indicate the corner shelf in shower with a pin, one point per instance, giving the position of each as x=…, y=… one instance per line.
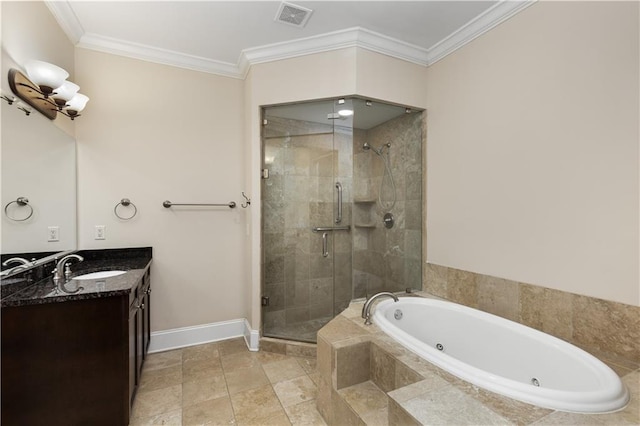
x=363, y=213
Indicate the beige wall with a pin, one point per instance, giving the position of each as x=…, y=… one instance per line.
x=533, y=151
x=325, y=75
x=158, y=133
x=389, y=79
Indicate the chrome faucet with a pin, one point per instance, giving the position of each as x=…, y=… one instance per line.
x=59, y=273
x=23, y=264
x=366, y=309
x=19, y=260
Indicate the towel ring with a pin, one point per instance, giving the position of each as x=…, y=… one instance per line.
x=126, y=203
x=20, y=201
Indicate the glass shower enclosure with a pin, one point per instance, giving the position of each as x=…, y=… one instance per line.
x=342, y=209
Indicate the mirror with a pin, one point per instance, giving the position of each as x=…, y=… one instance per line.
x=38, y=187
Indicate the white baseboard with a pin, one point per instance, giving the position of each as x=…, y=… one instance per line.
x=251, y=337
x=189, y=336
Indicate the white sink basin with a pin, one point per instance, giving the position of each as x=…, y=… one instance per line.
x=99, y=275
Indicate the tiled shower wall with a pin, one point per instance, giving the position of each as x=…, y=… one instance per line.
x=388, y=259
x=305, y=160
x=604, y=328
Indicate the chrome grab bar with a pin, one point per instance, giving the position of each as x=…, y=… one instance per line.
x=167, y=204
x=325, y=245
x=325, y=235
x=339, y=188
x=331, y=228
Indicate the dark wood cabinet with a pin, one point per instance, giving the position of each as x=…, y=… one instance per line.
x=139, y=332
x=146, y=314
x=76, y=362
x=134, y=337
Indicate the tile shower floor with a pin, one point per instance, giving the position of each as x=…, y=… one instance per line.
x=222, y=383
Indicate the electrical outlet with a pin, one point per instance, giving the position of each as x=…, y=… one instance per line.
x=100, y=232
x=53, y=233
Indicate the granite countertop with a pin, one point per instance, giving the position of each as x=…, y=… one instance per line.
x=134, y=261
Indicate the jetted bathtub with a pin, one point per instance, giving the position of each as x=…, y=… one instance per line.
x=503, y=356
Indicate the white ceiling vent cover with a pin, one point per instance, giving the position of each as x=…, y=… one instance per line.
x=292, y=14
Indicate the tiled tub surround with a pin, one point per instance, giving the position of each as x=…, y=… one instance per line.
x=365, y=377
x=502, y=356
x=288, y=347
x=606, y=329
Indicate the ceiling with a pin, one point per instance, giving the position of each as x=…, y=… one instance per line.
x=226, y=37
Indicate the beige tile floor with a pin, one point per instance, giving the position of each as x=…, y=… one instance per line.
x=223, y=383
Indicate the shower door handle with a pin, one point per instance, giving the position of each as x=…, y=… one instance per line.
x=331, y=228
x=325, y=245
x=339, y=216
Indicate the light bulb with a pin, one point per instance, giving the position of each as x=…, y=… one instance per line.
x=47, y=76
x=66, y=92
x=77, y=103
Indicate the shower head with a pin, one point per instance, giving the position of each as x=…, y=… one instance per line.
x=378, y=151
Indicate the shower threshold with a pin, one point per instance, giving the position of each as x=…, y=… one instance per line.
x=304, y=331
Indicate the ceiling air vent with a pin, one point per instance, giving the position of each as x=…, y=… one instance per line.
x=292, y=14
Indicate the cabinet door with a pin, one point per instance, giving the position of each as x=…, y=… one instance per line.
x=139, y=341
x=134, y=372
x=146, y=320
x=139, y=316
x=65, y=363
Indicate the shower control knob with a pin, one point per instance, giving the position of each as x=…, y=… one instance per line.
x=388, y=220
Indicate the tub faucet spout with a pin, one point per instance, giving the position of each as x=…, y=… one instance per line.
x=366, y=309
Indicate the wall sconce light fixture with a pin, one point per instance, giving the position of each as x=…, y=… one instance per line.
x=45, y=88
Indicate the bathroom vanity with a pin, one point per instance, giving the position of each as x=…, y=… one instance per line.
x=72, y=353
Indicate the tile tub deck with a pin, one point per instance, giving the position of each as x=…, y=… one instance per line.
x=365, y=377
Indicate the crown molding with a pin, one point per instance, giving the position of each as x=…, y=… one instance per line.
x=479, y=25
x=67, y=19
x=351, y=37
x=161, y=56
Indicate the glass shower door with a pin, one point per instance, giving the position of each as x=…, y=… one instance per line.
x=301, y=210
x=342, y=209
